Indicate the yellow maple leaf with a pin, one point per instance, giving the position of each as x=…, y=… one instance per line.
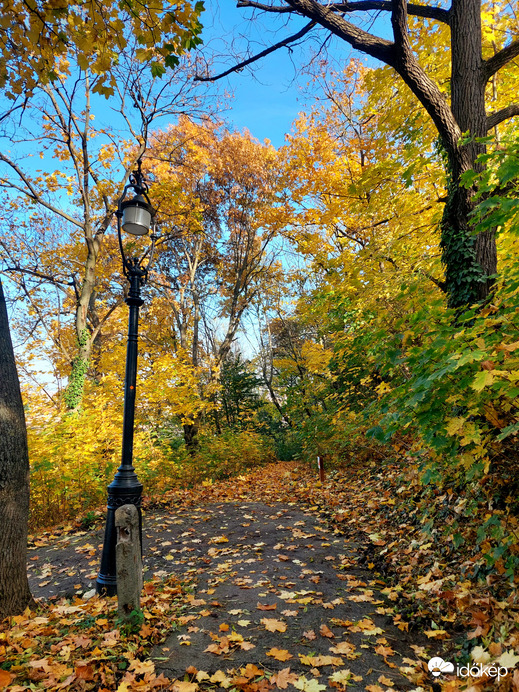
x=317, y=661
x=179, y=686
x=386, y=681
x=436, y=634
x=273, y=625
x=142, y=667
x=279, y=654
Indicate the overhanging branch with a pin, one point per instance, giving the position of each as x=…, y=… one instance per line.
x=425, y=11
x=281, y=44
x=499, y=60
x=498, y=116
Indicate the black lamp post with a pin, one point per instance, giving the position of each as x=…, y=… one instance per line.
x=134, y=216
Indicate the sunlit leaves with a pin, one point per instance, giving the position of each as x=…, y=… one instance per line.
x=95, y=38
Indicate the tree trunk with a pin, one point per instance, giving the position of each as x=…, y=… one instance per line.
x=469, y=260
x=191, y=435
x=14, y=480
x=76, y=382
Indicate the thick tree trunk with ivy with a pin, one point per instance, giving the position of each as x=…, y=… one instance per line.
x=14, y=480
x=470, y=260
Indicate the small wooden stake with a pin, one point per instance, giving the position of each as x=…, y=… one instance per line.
x=128, y=560
x=320, y=465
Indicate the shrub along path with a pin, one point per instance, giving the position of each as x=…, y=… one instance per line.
x=269, y=581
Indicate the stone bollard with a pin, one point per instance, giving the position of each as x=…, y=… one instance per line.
x=128, y=560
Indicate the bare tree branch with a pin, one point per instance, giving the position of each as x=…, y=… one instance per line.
x=260, y=6
x=51, y=279
x=31, y=192
x=425, y=11
x=262, y=54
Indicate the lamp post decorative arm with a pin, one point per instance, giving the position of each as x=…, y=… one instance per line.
x=134, y=216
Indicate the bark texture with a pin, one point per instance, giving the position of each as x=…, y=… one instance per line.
x=14, y=480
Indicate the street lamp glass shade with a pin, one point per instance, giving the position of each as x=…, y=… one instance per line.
x=136, y=216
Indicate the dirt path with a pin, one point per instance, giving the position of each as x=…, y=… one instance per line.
x=279, y=599
x=278, y=593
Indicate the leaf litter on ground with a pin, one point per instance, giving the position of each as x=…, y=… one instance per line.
x=77, y=644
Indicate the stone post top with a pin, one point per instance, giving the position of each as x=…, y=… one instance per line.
x=125, y=514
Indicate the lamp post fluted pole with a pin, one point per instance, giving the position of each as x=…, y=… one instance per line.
x=126, y=487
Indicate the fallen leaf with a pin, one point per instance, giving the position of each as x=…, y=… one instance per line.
x=221, y=678
x=279, y=654
x=184, y=686
x=437, y=634
x=5, y=678
x=142, y=667
x=360, y=598
x=273, y=625
x=384, y=650
x=386, y=681
x=247, y=646
x=84, y=671
x=345, y=648
x=508, y=659
x=308, y=685
x=341, y=676
x=284, y=678
x=317, y=661
x=325, y=631
x=251, y=671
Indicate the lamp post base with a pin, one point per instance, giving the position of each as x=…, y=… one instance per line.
x=125, y=489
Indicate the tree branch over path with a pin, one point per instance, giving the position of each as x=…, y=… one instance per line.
x=399, y=57
x=469, y=275
x=425, y=11
x=281, y=44
x=497, y=117
x=499, y=60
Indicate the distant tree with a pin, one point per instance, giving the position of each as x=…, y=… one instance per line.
x=217, y=188
x=14, y=480
x=239, y=390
